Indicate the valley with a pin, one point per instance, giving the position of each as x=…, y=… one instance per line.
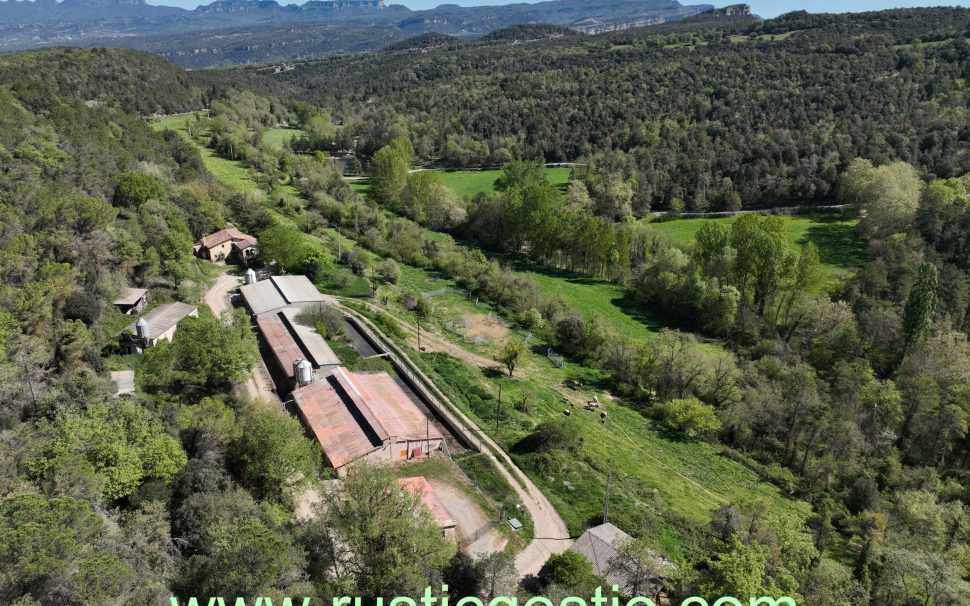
x=504, y=306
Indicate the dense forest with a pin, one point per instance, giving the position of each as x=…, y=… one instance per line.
x=693, y=112
x=188, y=487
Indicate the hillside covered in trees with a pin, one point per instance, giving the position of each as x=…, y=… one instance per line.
x=696, y=111
x=833, y=370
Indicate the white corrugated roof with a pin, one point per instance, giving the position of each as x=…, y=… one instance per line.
x=278, y=292
x=312, y=341
x=262, y=297
x=130, y=296
x=163, y=317
x=297, y=289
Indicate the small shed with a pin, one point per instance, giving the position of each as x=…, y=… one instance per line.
x=157, y=325
x=601, y=545
x=133, y=301
x=420, y=486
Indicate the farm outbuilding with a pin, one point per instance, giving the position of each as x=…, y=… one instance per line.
x=132, y=301
x=230, y=245
x=420, y=487
x=157, y=325
x=602, y=545
x=277, y=292
x=290, y=342
x=364, y=416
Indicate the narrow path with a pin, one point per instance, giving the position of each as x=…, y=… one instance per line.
x=259, y=385
x=550, y=532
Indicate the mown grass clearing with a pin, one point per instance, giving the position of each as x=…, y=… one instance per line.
x=278, y=137
x=471, y=182
x=230, y=173
x=839, y=247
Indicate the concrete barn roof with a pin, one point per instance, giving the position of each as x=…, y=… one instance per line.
x=353, y=414
x=419, y=486
x=131, y=296
x=278, y=292
x=164, y=317
x=297, y=289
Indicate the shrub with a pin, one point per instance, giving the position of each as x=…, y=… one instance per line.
x=690, y=416
x=134, y=189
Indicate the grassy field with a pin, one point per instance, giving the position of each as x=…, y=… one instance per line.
x=277, y=137
x=838, y=245
x=232, y=174
x=471, y=182
x=663, y=485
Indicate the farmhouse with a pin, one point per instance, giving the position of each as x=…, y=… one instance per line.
x=419, y=486
x=292, y=342
x=230, y=245
x=601, y=546
x=277, y=292
x=158, y=324
x=364, y=416
x=132, y=302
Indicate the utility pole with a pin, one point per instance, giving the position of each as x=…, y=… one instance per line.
x=419, y=334
x=497, y=404
x=606, y=506
x=427, y=437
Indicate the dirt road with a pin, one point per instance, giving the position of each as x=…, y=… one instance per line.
x=475, y=530
x=259, y=385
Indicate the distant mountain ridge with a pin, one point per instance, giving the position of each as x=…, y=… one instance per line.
x=241, y=31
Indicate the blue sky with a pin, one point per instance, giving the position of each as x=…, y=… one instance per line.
x=765, y=8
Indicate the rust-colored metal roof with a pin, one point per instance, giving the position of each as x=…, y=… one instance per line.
x=353, y=414
x=395, y=409
x=332, y=423
x=291, y=341
x=419, y=486
x=280, y=341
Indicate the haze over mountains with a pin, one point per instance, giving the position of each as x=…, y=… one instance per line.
x=245, y=31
